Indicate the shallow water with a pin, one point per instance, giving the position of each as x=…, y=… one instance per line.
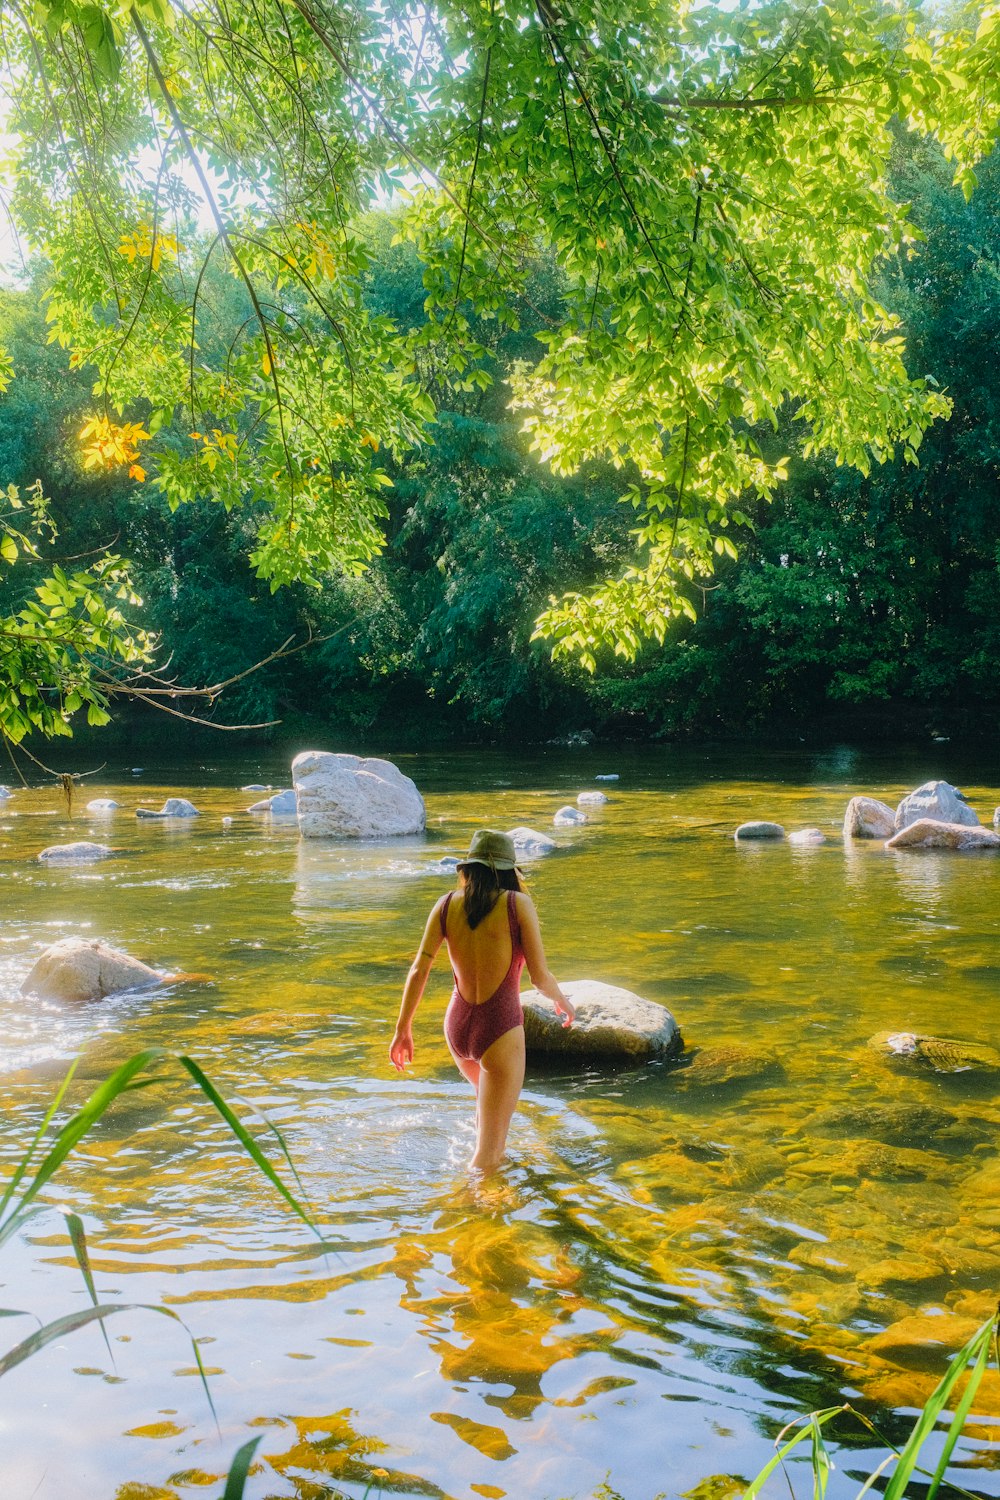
x=676, y=1260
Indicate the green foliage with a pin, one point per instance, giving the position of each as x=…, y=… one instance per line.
x=709, y=185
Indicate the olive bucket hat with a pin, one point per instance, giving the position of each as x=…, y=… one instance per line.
x=493, y=849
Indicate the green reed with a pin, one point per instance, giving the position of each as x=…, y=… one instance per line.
x=906, y=1459
x=19, y=1203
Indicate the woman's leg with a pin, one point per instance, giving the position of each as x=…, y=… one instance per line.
x=500, y=1078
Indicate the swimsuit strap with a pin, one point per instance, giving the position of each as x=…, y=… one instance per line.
x=444, y=913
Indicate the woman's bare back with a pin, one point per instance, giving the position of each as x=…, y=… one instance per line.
x=481, y=955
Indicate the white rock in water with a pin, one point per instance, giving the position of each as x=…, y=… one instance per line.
x=938, y=800
x=759, y=831
x=174, y=807
x=102, y=805
x=807, y=836
x=612, y=776
x=530, y=844
x=353, y=797
x=75, y=854
x=282, y=804
x=227, y=822
x=78, y=969
x=568, y=815
x=591, y=799
x=5, y=792
x=610, y=1023
x=996, y=817
x=868, y=818
x=928, y=833
x=254, y=786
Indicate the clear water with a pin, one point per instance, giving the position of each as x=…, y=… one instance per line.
x=674, y=1263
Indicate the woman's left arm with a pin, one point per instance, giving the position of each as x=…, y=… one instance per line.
x=401, y=1046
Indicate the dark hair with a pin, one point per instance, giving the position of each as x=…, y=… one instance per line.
x=482, y=889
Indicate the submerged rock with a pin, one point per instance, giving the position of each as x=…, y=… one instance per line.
x=174, y=807
x=937, y=800
x=350, y=796
x=81, y=853
x=610, y=1023
x=714, y=1067
x=530, y=844
x=759, y=831
x=893, y=1124
x=923, y=1340
x=942, y=1054
x=868, y=818
x=102, y=805
x=254, y=786
x=807, y=836
x=928, y=833
x=591, y=799
x=567, y=816
x=80, y=969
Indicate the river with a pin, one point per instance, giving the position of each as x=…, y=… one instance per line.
x=676, y=1260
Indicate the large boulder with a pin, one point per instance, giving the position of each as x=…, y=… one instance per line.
x=928, y=833
x=174, y=807
x=79, y=969
x=868, y=818
x=938, y=800
x=348, y=796
x=610, y=1023
x=81, y=853
x=759, y=830
x=530, y=844
x=284, y=804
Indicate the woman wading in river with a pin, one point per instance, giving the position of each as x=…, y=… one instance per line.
x=491, y=928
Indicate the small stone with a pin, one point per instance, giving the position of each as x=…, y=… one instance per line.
x=807, y=837
x=254, y=786
x=928, y=833
x=227, y=822
x=81, y=853
x=79, y=969
x=567, y=816
x=6, y=792
x=613, y=776
x=937, y=800
x=102, y=805
x=759, y=831
x=283, y=804
x=530, y=844
x=591, y=799
x=610, y=1023
x=174, y=807
x=867, y=818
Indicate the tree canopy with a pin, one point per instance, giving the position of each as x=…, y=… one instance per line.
x=709, y=183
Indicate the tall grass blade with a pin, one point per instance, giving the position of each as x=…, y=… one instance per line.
x=78, y=1239
x=245, y=1139
x=935, y=1405
x=25, y=1161
x=283, y=1147
x=961, y=1412
x=74, y=1131
x=820, y=1418
x=239, y=1469
x=821, y=1464
x=13, y=1312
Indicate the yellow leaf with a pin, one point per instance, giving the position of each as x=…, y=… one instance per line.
x=265, y=363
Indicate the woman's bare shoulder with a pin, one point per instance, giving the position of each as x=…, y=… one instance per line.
x=523, y=901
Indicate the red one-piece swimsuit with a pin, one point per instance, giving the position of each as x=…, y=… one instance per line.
x=470, y=1029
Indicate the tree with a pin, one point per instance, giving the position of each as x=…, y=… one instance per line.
x=711, y=183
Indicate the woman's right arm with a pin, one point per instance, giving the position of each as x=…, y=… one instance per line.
x=534, y=954
x=401, y=1046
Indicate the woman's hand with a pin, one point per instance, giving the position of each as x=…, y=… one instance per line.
x=564, y=1008
x=401, y=1050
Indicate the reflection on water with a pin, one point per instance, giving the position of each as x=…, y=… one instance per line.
x=675, y=1260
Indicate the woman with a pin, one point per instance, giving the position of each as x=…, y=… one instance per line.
x=489, y=941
